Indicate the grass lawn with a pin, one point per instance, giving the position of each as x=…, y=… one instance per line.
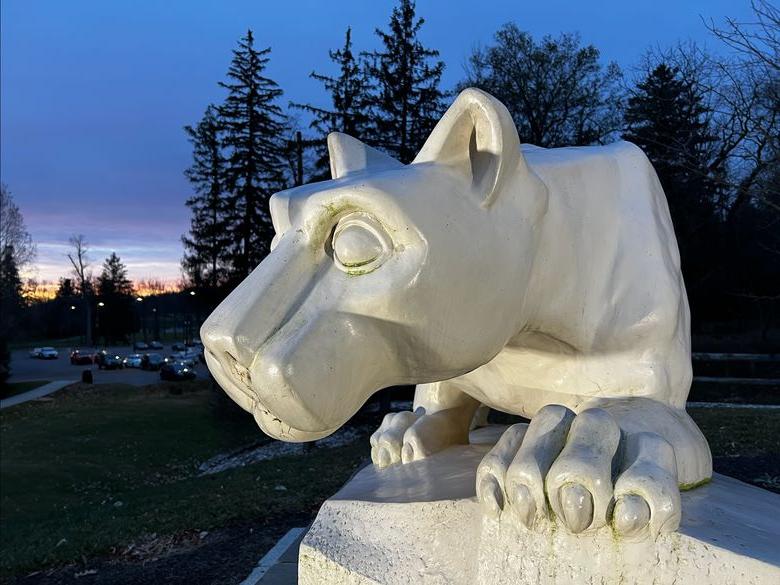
x=102, y=467
x=97, y=468
x=7, y=390
x=59, y=343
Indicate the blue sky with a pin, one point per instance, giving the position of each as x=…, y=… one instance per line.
x=95, y=93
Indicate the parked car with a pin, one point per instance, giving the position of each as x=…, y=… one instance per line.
x=44, y=353
x=176, y=371
x=132, y=361
x=140, y=346
x=179, y=347
x=189, y=357
x=108, y=361
x=151, y=361
x=81, y=358
x=155, y=345
x=183, y=357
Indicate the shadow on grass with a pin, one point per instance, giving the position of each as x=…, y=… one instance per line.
x=108, y=475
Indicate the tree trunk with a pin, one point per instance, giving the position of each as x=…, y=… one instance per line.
x=88, y=313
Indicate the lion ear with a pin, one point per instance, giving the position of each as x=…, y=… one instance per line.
x=350, y=155
x=477, y=136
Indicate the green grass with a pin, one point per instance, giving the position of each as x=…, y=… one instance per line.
x=66, y=465
x=61, y=343
x=7, y=390
x=738, y=432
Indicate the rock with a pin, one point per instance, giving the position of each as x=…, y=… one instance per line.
x=421, y=523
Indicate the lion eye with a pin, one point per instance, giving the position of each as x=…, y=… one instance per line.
x=356, y=246
x=360, y=244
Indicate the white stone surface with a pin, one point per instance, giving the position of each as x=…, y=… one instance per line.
x=421, y=523
x=539, y=282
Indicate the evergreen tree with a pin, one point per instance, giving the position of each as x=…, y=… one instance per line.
x=113, y=279
x=407, y=102
x=254, y=139
x=10, y=286
x=206, y=260
x=65, y=290
x=668, y=120
x=10, y=305
x=16, y=251
x=115, y=291
x=349, y=95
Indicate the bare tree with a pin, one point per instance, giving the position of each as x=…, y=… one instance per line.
x=80, y=261
x=13, y=232
x=759, y=41
x=151, y=286
x=748, y=88
x=557, y=90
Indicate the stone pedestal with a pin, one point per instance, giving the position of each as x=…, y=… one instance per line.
x=421, y=523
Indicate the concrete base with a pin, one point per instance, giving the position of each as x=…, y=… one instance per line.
x=421, y=523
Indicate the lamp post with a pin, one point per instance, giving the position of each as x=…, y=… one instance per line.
x=156, y=324
x=192, y=320
x=69, y=321
x=143, y=317
x=100, y=305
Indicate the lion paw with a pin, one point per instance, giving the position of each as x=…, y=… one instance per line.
x=406, y=436
x=563, y=465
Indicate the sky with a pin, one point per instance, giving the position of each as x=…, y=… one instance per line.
x=94, y=94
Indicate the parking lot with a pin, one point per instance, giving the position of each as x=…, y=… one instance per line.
x=24, y=368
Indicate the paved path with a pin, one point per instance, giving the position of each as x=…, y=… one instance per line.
x=39, y=392
x=279, y=566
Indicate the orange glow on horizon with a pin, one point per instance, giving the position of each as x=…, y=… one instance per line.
x=35, y=291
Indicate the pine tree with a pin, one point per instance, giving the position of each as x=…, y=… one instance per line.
x=113, y=279
x=10, y=284
x=206, y=260
x=349, y=95
x=407, y=102
x=254, y=132
x=10, y=305
x=65, y=289
x=668, y=120
x=115, y=291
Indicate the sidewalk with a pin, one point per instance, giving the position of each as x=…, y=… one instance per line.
x=39, y=392
x=279, y=566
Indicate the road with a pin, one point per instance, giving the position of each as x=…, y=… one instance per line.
x=24, y=368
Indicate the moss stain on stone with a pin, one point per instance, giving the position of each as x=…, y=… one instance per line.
x=684, y=487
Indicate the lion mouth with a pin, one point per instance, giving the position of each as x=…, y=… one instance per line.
x=265, y=418
x=273, y=426
x=240, y=396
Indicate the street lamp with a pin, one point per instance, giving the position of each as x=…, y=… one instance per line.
x=73, y=307
x=101, y=304
x=192, y=293
x=139, y=299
